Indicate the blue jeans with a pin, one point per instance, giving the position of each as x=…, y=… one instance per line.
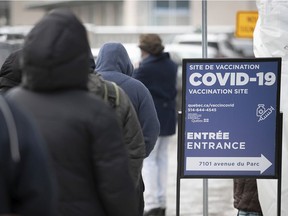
x=246, y=213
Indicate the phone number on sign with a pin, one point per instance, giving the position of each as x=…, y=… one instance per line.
x=202, y=109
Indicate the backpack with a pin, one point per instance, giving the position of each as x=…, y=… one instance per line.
x=107, y=90
x=111, y=93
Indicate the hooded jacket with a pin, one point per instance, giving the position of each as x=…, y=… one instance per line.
x=82, y=134
x=114, y=64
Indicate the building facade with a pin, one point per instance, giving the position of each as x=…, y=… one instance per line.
x=135, y=12
x=123, y=20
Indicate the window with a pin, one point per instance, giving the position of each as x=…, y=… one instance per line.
x=171, y=12
x=175, y=4
x=4, y=13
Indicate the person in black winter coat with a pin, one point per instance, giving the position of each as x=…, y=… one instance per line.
x=10, y=73
x=27, y=186
x=159, y=74
x=82, y=134
x=132, y=133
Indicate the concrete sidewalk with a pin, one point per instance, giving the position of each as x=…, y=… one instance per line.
x=220, y=192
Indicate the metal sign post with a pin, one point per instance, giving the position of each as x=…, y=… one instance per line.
x=179, y=165
x=279, y=182
x=204, y=55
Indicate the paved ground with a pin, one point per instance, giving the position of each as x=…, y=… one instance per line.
x=220, y=192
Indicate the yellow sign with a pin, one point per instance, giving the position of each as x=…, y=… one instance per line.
x=246, y=22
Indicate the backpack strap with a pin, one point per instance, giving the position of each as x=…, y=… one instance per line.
x=111, y=93
x=12, y=130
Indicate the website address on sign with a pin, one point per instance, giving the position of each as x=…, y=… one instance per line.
x=211, y=105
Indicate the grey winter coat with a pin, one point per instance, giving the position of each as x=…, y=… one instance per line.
x=133, y=137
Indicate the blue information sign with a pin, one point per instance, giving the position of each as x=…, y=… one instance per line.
x=229, y=117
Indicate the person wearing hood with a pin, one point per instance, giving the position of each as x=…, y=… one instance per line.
x=82, y=134
x=159, y=74
x=10, y=76
x=114, y=64
x=26, y=183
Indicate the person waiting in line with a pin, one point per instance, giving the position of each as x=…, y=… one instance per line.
x=115, y=97
x=114, y=64
x=246, y=197
x=10, y=76
x=159, y=74
x=10, y=73
x=82, y=133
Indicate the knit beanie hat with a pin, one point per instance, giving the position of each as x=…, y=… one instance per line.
x=151, y=43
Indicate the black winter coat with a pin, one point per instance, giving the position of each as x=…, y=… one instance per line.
x=159, y=75
x=82, y=133
x=10, y=73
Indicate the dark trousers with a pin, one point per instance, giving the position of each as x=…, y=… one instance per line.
x=140, y=196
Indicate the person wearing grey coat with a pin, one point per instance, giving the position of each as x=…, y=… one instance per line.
x=132, y=133
x=114, y=64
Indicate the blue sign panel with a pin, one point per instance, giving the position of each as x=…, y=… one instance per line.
x=230, y=109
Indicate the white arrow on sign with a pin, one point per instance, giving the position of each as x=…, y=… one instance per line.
x=228, y=163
